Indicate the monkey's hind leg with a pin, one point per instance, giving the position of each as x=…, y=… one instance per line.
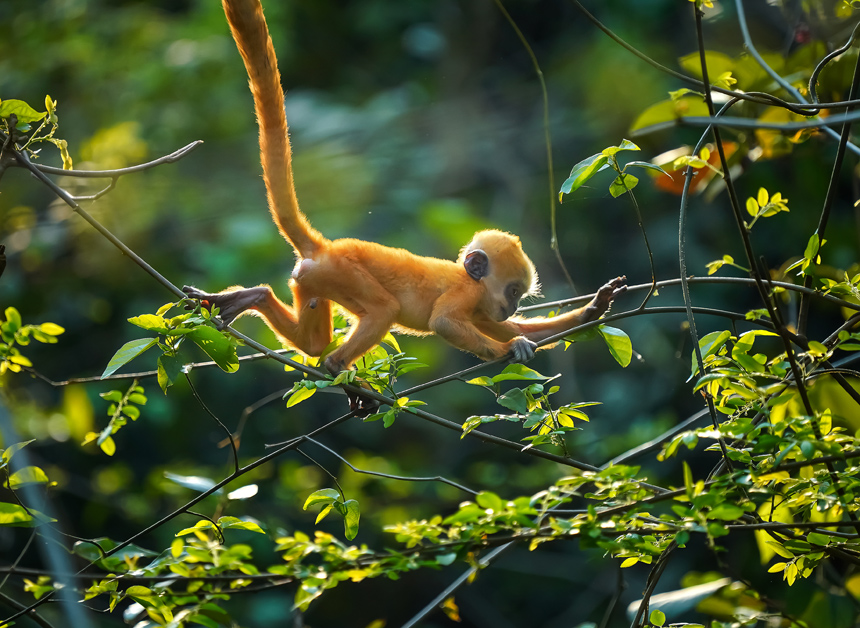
x=307, y=327
x=368, y=331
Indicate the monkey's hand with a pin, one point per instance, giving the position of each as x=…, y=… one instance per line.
x=522, y=350
x=604, y=297
x=230, y=304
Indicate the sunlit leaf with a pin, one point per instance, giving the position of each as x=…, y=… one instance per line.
x=52, y=329
x=481, y=381
x=622, y=184
x=300, y=395
x=582, y=172
x=618, y=343
x=517, y=372
x=150, y=322
x=322, y=496
x=234, y=523
x=128, y=352
x=25, y=112
x=27, y=475
x=15, y=516
x=217, y=346
x=350, y=519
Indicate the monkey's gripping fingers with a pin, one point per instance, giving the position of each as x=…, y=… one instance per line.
x=604, y=297
x=230, y=304
x=359, y=404
x=522, y=349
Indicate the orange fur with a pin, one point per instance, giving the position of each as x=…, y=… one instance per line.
x=469, y=302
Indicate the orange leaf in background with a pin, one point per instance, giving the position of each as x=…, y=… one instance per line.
x=701, y=176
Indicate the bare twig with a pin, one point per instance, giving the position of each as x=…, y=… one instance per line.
x=389, y=476
x=112, y=174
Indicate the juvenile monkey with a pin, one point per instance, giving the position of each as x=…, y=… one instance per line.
x=470, y=303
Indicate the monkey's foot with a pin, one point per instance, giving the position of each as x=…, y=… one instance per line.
x=230, y=304
x=362, y=406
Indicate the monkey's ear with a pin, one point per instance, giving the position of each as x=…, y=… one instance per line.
x=477, y=264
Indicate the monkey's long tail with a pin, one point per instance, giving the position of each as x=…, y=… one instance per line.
x=255, y=45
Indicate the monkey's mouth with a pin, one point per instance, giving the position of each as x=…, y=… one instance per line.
x=506, y=313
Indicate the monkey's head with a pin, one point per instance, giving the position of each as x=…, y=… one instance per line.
x=496, y=259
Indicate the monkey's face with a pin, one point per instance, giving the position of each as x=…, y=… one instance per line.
x=502, y=297
x=496, y=259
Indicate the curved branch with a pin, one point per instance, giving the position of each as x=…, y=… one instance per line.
x=389, y=476
x=112, y=174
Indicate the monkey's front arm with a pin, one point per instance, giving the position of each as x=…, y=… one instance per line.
x=537, y=329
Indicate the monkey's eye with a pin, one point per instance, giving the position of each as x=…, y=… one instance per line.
x=514, y=292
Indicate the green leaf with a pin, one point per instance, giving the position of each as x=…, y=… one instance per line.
x=234, y=523
x=324, y=512
x=200, y=525
x=169, y=368
x=518, y=372
x=137, y=398
x=107, y=445
x=10, y=451
x=582, y=172
x=150, y=322
x=717, y=63
x=13, y=320
x=388, y=418
x=350, y=519
x=688, y=478
x=670, y=110
x=480, y=381
x=391, y=341
x=300, y=395
x=780, y=550
x=622, y=184
x=657, y=618
x=52, y=329
x=322, y=496
x=13, y=515
x=128, y=352
x=25, y=112
x=217, y=346
x=27, y=475
x=726, y=512
x=812, y=247
x=164, y=309
x=648, y=165
x=684, y=91
x=709, y=344
x=515, y=400
x=203, y=620
x=618, y=343
x=818, y=539
x=490, y=501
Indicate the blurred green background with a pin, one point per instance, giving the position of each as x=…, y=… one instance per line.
x=414, y=123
